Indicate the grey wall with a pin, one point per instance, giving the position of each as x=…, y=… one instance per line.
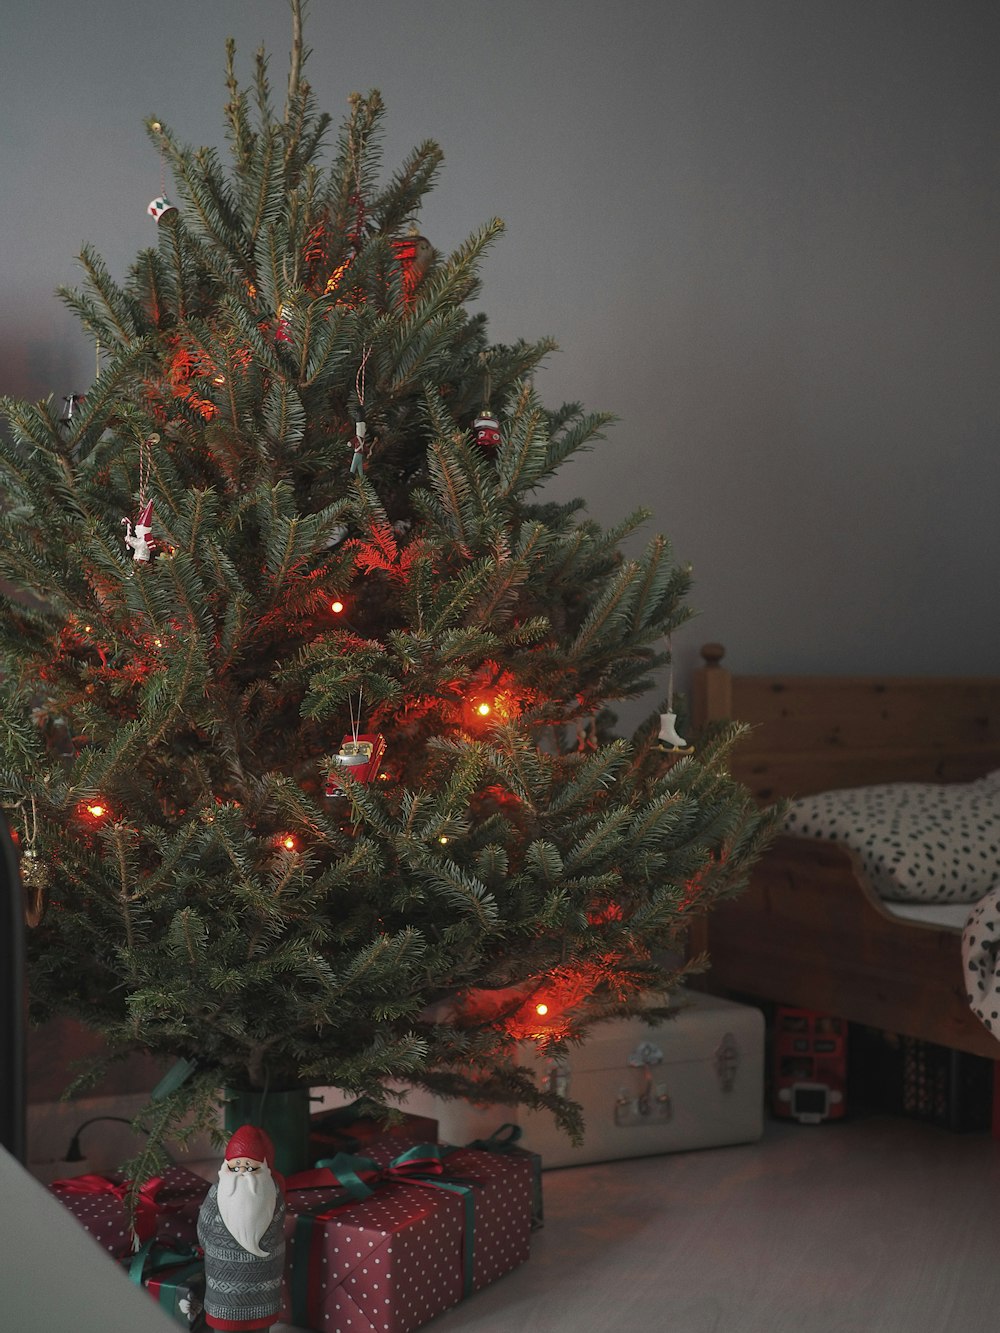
x=763, y=231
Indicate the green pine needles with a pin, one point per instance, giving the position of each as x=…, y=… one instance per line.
x=173, y=725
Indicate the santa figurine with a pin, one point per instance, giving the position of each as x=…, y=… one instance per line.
x=139, y=537
x=241, y=1228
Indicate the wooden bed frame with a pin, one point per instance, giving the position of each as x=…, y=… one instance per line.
x=809, y=931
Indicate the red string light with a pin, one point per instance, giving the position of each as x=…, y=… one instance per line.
x=96, y=810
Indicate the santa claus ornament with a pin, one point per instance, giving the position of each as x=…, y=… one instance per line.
x=139, y=537
x=241, y=1230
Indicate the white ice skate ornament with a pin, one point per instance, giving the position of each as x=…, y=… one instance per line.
x=668, y=738
x=138, y=539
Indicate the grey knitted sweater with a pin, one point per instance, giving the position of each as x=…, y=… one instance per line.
x=241, y=1288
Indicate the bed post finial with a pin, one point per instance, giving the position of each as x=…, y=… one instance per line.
x=713, y=653
x=712, y=697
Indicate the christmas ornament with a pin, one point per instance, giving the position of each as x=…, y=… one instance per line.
x=413, y=254
x=487, y=429
x=241, y=1230
x=486, y=426
x=160, y=207
x=35, y=881
x=586, y=734
x=138, y=538
x=360, y=444
x=72, y=401
x=34, y=872
x=360, y=754
x=285, y=312
x=668, y=738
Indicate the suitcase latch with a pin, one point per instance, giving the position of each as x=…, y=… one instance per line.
x=652, y=1104
x=727, y=1060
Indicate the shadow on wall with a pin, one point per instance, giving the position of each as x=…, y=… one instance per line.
x=48, y=357
x=60, y=1048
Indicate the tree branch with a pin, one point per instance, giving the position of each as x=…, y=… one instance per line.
x=296, y=68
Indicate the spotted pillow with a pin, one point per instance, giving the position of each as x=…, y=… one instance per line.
x=918, y=841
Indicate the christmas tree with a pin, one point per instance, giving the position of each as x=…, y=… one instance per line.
x=306, y=686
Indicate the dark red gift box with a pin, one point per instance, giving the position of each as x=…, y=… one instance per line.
x=168, y=1208
x=438, y=1225
x=349, y=1129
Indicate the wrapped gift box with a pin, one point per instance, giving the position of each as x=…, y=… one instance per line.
x=414, y=1248
x=506, y=1139
x=693, y=1081
x=175, y=1280
x=347, y=1129
x=168, y=1208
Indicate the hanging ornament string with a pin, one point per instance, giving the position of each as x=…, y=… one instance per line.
x=358, y=199
x=160, y=206
x=359, y=379
x=30, y=828
x=145, y=466
x=356, y=721
x=670, y=675
x=158, y=130
x=360, y=445
x=486, y=426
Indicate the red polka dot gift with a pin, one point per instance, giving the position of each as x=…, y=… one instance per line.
x=383, y=1243
x=166, y=1209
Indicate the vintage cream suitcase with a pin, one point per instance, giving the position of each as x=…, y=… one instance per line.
x=695, y=1081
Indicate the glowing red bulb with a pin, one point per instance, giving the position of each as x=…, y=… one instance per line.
x=289, y=842
x=541, y=1010
x=337, y=606
x=483, y=709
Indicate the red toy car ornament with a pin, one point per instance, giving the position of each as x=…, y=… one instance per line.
x=487, y=429
x=358, y=755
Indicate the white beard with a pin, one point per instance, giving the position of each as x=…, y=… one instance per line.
x=246, y=1204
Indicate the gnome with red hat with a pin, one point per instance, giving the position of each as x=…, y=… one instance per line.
x=139, y=539
x=241, y=1229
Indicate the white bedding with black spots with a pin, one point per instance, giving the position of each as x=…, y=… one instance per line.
x=980, y=946
x=918, y=841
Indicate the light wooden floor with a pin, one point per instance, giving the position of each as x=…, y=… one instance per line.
x=875, y=1225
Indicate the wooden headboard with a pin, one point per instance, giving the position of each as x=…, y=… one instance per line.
x=816, y=733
